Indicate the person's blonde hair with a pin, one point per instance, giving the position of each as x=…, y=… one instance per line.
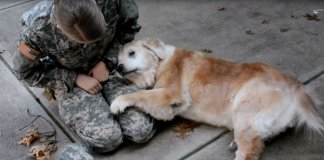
x=81, y=20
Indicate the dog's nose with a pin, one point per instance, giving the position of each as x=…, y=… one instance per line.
x=120, y=68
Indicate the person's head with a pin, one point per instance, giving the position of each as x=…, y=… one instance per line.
x=80, y=20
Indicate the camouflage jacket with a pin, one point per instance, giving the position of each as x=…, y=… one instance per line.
x=47, y=58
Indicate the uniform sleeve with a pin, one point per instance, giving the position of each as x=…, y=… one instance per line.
x=38, y=69
x=111, y=56
x=127, y=28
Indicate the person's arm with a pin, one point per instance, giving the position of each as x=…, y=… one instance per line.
x=38, y=69
x=127, y=28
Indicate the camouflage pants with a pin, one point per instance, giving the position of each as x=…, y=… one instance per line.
x=91, y=118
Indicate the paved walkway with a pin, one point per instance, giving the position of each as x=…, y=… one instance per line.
x=271, y=31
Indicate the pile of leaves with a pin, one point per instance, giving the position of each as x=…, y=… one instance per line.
x=184, y=127
x=46, y=145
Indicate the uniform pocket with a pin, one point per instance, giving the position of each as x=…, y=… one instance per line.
x=71, y=57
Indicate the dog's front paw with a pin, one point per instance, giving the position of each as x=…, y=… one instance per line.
x=119, y=105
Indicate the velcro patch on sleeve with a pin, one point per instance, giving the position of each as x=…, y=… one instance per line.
x=28, y=52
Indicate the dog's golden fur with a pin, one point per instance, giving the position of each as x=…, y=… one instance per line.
x=255, y=100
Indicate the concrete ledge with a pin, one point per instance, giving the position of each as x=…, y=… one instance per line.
x=14, y=102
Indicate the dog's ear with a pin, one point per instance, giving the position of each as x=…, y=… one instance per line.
x=156, y=46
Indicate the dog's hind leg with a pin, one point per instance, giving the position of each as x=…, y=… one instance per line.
x=250, y=145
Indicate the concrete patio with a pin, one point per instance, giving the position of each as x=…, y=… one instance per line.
x=271, y=31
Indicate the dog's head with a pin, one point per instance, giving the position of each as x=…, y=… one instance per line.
x=140, y=55
x=140, y=59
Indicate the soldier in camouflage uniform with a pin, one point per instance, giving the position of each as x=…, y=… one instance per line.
x=47, y=57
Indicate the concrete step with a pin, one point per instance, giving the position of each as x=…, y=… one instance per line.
x=14, y=102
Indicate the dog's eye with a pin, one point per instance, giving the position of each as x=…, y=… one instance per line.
x=131, y=53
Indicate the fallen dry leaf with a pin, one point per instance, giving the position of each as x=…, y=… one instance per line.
x=221, y=8
x=264, y=20
x=29, y=137
x=311, y=17
x=47, y=94
x=206, y=50
x=293, y=16
x=184, y=127
x=311, y=33
x=249, y=32
x=42, y=152
x=284, y=29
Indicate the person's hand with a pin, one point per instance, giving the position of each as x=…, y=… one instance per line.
x=100, y=72
x=87, y=83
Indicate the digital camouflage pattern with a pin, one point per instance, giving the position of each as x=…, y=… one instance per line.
x=91, y=118
x=135, y=125
x=41, y=33
x=73, y=151
x=59, y=61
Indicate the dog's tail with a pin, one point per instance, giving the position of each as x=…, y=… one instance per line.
x=308, y=111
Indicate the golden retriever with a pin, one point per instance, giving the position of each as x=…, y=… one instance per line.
x=255, y=100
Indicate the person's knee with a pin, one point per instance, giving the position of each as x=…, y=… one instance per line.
x=137, y=126
x=102, y=139
x=74, y=151
x=142, y=135
x=88, y=116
